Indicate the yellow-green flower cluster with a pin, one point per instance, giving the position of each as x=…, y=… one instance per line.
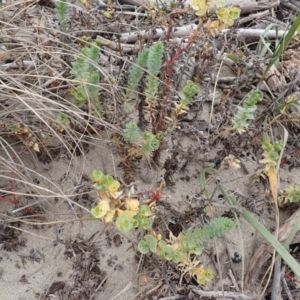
x=203, y=275
x=105, y=182
x=201, y=6
x=109, y=196
x=127, y=214
x=226, y=15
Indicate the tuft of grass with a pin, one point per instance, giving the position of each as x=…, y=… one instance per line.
x=39, y=123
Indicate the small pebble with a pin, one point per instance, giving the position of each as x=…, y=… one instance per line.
x=143, y=280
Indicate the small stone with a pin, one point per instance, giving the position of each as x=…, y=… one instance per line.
x=143, y=280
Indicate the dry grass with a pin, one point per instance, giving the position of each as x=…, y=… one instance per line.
x=35, y=85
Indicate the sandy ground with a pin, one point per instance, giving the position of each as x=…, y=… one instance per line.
x=63, y=258
x=67, y=251
x=67, y=258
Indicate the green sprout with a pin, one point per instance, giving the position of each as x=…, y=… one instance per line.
x=151, y=60
x=145, y=224
x=131, y=132
x=145, y=211
x=186, y=97
x=136, y=72
x=166, y=251
x=61, y=8
x=63, y=120
x=203, y=275
x=245, y=112
x=228, y=15
x=150, y=143
x=88, y=79
x=290, y=195
x=271, y=152
x=147, y=244
x=101, y=181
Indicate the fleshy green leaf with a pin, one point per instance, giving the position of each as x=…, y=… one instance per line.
x=154, y=144
x=143, y=247
x=148, y=243
x=63, y=120
x=124, y=223
x=176, y=257
x=168, y=253
x=147, y=136
x=145, y=211
x=145, y=224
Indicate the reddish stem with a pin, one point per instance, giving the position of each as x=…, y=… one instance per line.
x=177, y=54
x=292, y=278
x=4, y=199
x=168, y=76
x=169, y=31
x=25, y=13
x=11, y=183
x=24, y=150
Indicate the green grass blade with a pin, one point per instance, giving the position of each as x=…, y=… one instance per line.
x=284, y=42
x=202, y=182
x=263, y=45
x=290, y=261
x=292, y=234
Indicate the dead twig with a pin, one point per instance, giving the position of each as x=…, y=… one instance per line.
x=172, y=298
x=118, y=47
x=160, y=283
x=276, y=286
x=126, y=288
x=232, y=295
x=252, y=17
